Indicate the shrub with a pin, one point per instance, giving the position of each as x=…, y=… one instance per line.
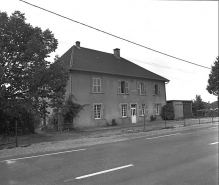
x=153, y=117
x=167, y=112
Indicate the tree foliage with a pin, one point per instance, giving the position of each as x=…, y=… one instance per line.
x=167, y=112
x=213, y=81
x=71, y=109
x=27, y=79
x=197, y=104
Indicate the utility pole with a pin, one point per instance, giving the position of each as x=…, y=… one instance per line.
x=16, y=143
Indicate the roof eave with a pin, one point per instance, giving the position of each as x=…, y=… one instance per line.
x=164, y=80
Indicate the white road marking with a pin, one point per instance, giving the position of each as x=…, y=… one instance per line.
x=163, y=136
x=101, y=172
x=8, y=160
x=213, y=143
x=212, y=127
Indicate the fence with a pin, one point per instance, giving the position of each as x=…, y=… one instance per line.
x=10, y=136
x=182, y=119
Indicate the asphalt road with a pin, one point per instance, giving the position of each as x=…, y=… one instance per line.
x=180, y=158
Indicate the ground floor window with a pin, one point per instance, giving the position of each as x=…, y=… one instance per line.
x=97, y=111
x=142, y=109
x=157, y=109
x=146, y=109
x=124, y=110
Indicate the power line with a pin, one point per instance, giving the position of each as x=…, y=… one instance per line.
x=158, y=65
x=113, y=35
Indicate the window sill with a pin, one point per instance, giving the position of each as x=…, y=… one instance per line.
x=142, y=94
x=122, y=94
x=124, y=117
x=97, y=93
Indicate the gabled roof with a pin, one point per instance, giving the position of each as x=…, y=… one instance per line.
x=85, y=59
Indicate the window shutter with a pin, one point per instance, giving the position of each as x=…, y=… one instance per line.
x=92, y=111
x=101, y=87
x=138, y=87
x=126, y=87
x=128, y=110
x=145, y=88
x=119, y=87
x=120, y=109
x=93, y=84
x=153, y=89
x=139, y=109
x=158, y=89
x=102, y=112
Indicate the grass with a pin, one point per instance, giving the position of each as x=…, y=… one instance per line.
x=27, y=140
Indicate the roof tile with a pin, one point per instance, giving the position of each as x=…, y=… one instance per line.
x=96, y=61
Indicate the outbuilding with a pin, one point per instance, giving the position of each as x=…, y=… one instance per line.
x=182, y=108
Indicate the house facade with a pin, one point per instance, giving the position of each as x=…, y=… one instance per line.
x=112, y=87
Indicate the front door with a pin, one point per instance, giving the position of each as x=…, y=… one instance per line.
x=133, y=113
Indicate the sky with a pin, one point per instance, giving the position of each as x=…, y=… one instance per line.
x=184, y=29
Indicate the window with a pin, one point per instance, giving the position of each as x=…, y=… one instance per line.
x=142, y=109
x=141, y=88
x=96, y=85
x=156, y=89
x=156, y=109
x=146, y=109
x=123, y=87
x=97, y=111
x=124, y=110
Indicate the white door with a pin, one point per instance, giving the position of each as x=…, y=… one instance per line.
x=133, y=113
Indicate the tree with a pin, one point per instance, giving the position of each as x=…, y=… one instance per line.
x=71, y=109
x=213, y=81
x=167, y=112
x=27, y=79
x=197, y=104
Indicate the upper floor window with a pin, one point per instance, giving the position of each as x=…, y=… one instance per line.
x=97, y=111
x=142, y=89
x=156, y=89
x=123, y=87
x=96, y=85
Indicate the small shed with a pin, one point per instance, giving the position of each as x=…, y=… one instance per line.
x=182, y=108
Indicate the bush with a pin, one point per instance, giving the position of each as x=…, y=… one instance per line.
x=153, y=117
x=167, y=112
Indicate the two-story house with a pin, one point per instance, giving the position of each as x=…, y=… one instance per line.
x=111, y=87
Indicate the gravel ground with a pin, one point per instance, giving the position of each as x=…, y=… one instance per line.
x=90, y=139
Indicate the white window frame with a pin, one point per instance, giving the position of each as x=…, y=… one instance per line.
x=142, y=109
x=146, y=109
x=124, y=110
x=97, y=115
x=96, y=85
x=157, y=108
x=142, y=88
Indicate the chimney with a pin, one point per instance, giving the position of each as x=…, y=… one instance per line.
x=77, y=43
x=117, y=52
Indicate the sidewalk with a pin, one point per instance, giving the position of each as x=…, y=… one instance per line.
x=154, y=124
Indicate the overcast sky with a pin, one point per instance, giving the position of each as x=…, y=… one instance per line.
x=187, y=30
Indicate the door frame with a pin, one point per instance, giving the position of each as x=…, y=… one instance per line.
x=133, y=118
